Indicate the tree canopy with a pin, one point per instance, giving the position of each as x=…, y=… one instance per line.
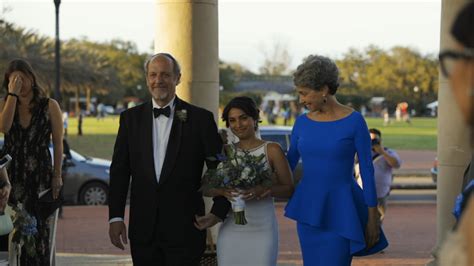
x=113, y=70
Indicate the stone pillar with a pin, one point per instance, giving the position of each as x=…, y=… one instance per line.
x=188, y=29
x=453, y=135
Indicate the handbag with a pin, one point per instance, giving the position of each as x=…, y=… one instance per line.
x=47, y=205
x=6, y=224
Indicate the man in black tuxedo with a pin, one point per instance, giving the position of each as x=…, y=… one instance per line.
x=161, y=146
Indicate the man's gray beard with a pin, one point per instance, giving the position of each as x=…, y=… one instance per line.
x=161, y=97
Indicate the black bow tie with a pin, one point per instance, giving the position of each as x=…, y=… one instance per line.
x=162, y=111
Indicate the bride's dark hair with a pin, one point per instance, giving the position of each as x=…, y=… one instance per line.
x=244, y=103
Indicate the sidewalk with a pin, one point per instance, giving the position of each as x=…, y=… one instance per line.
x=82, y=237
x=415, y=163
x=410, y=226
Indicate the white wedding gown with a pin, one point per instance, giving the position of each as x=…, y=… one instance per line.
x=253, y=244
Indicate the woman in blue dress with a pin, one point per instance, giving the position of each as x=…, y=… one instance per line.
x=336, y=220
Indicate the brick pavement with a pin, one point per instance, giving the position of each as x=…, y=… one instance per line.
x=410, y=228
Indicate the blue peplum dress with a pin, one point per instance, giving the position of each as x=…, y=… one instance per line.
x=331, y=210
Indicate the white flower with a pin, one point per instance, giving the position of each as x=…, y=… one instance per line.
x=245, y=173
x=237, y=161
x=182, y=115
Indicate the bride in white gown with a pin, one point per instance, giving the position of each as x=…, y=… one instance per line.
x=255, y=243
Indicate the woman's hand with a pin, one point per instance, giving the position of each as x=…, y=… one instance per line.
x=206, y=221
x=372, y=232
x=228, y=193
x=56, y=184
x=15, y=84
x=257, y=192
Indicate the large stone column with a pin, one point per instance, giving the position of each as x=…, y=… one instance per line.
x=188, y=29
x=453, y=135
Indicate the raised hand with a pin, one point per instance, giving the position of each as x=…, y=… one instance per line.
x=15, y=84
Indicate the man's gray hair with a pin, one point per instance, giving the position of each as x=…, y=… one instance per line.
x=176, y=66
x=315, y=72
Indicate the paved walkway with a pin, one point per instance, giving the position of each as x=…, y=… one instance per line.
x=82, y=237
x=415, y=163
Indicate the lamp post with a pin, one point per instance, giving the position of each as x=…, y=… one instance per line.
x=418, y=107
x=57, y=93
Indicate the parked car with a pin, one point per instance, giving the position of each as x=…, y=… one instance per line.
x=434, y=170
x=86, y=179
x=281, y=135
x=109, y=109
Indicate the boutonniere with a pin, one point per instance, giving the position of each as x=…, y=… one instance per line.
x=182, y=115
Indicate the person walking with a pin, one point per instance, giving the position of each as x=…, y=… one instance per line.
x=336, y=220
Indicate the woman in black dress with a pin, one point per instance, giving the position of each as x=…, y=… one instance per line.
x=30, y=120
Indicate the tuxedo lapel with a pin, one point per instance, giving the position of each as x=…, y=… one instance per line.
x=147, y=123
x=174, y=143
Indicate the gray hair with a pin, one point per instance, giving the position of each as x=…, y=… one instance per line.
x=176, y=66
x=315, y=72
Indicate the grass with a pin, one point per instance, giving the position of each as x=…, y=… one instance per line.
x=99, y=136
x=421, y=134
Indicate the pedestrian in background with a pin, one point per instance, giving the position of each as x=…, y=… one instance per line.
x=384, y=161
x=65, y=122
x=79, y=122
x=30, y=120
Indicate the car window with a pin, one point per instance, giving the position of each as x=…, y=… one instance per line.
x=279, y=138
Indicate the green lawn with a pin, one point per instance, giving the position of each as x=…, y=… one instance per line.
x=99, y=136
x=421, y=134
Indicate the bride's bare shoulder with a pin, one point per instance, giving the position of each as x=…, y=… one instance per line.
x=274, y=148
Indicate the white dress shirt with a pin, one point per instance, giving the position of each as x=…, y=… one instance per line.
x=161, y=134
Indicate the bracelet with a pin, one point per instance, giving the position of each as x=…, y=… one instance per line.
x=13, y=94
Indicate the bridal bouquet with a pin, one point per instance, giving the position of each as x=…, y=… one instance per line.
x=238, y=171
x=25, y=230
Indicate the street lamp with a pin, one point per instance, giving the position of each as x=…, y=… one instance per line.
x=57, y=54
x=417, y=92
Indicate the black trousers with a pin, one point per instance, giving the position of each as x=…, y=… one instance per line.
x=146, y=255
x=4, y=243
x=157, y=253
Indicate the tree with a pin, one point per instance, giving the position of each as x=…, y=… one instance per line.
x=399, y=74
x=231, y=73
x=276, y=59
x=109, y=70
